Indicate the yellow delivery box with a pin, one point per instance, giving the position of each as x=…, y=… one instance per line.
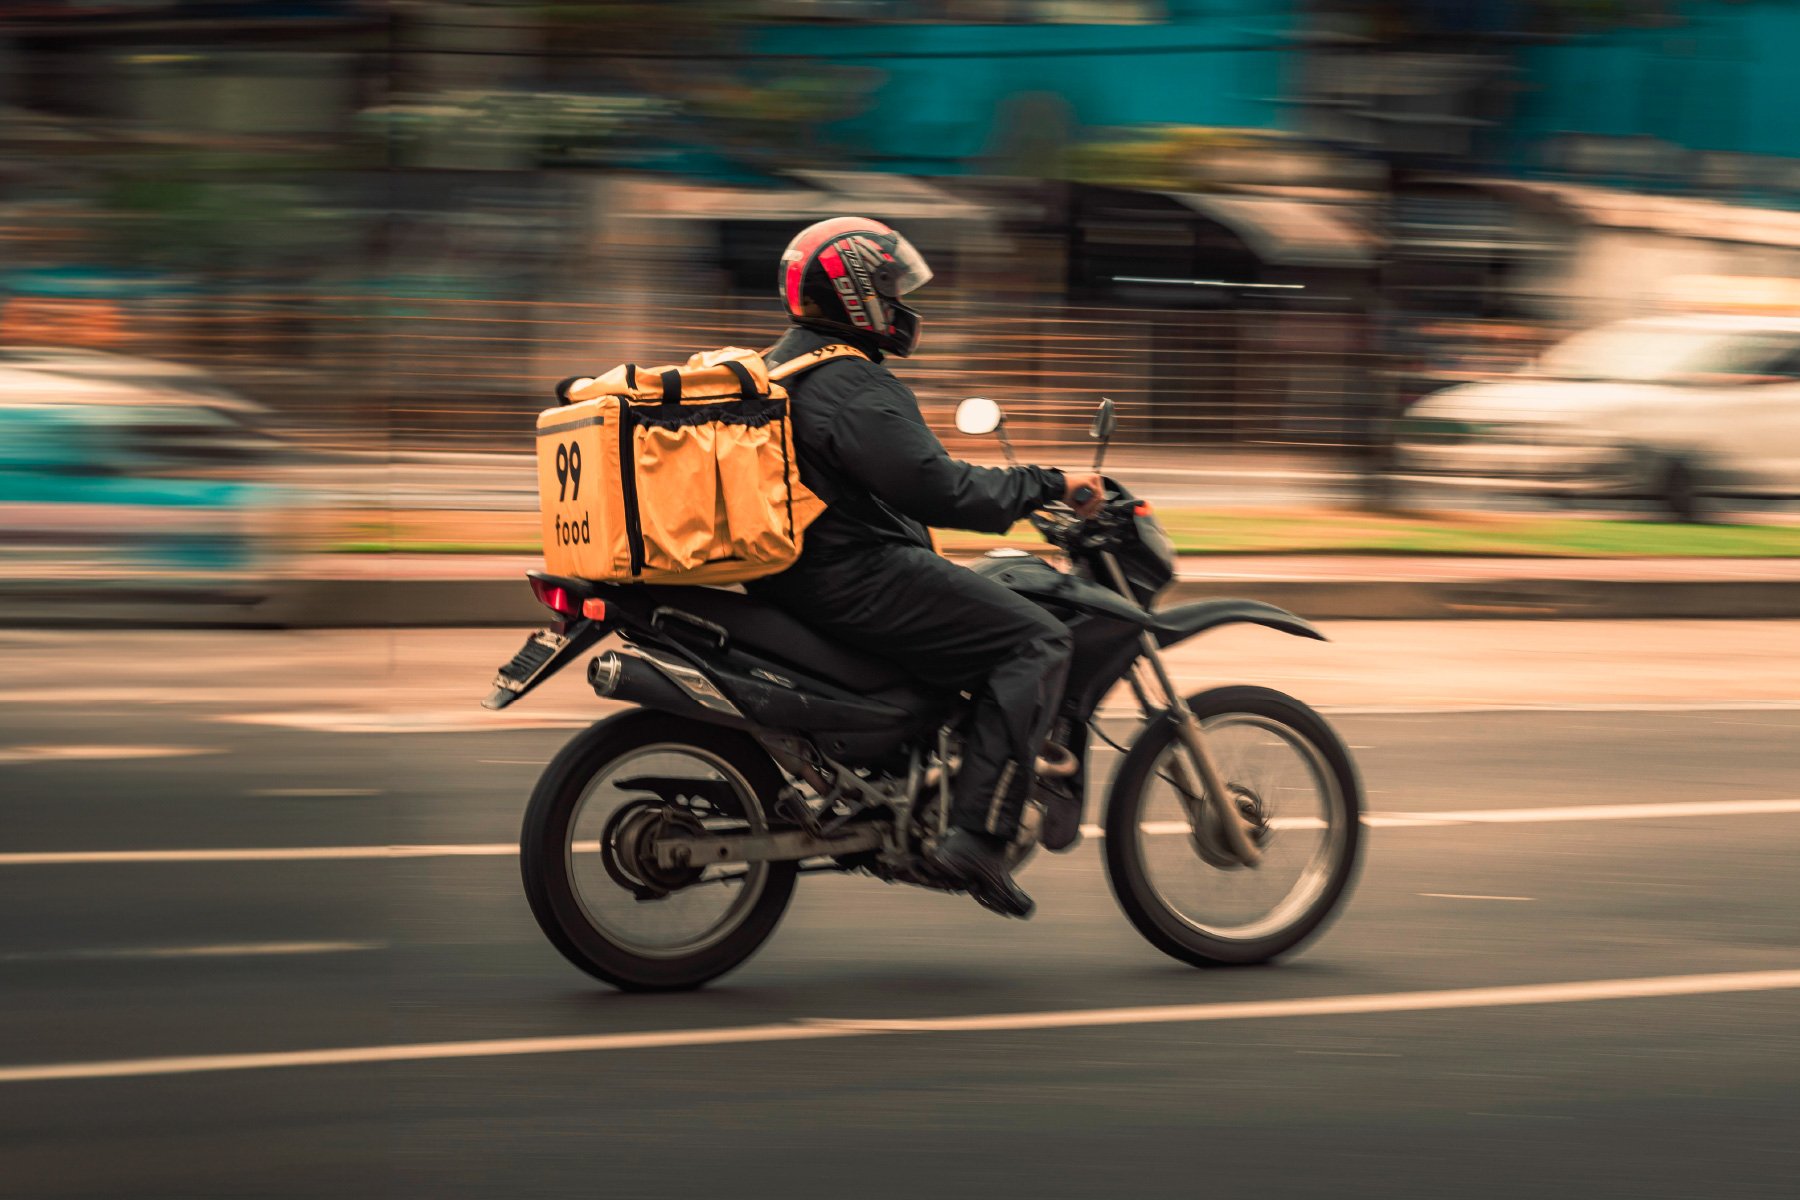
x=675, y=474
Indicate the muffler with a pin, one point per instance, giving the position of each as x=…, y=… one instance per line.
x=655, y=683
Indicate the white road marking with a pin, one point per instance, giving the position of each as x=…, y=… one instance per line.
x=256, y=854
x=818, y=1029
x=298, y=793
x=1601, y=706
x=1473, y=816
x=228, y=950
x=471, y=720
x=1467, y=896
x=1130, y=712
x=1608, y=812
x=14, y=755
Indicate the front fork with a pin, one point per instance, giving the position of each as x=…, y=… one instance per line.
x=1212, y=787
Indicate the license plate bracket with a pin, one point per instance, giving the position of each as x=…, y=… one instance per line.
x=544, y=653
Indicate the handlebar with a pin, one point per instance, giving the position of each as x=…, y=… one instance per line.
x=1063, y=528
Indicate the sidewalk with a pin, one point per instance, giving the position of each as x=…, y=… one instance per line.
x=353, y=589
x=1194, y=569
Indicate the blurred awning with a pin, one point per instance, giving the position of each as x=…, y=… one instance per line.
x=821, y=194
x=1289, y=233
x=1674, y=216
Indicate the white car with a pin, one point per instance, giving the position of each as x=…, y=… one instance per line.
x=1680, y=409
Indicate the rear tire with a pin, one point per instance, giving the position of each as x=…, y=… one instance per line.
x=546, y=855
x=1161, y=924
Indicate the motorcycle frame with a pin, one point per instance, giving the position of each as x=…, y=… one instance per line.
x=1127, y=645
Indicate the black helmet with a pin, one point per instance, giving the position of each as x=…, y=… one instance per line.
x=847, y=275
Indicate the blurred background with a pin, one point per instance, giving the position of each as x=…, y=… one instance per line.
x=257, y=258
x=1413, y=310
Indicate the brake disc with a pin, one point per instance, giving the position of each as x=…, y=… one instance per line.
x=1208, y=837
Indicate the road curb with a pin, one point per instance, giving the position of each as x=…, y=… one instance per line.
x=342, y=603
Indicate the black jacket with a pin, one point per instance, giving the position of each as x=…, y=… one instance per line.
x=865, y=449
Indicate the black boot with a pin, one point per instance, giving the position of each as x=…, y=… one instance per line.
x=978, y=862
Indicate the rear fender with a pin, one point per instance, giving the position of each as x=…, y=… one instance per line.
x=545, y=653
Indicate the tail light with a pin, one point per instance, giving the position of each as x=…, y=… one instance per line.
x=554, y=597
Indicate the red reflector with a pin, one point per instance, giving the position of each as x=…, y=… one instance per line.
x=594, y=610
x=552, y=597
x=1142, y=510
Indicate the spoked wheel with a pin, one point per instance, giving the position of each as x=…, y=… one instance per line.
x=588, y=859
x=1291, y=777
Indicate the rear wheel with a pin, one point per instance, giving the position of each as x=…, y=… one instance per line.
x=1291, y=776
x=586, y=851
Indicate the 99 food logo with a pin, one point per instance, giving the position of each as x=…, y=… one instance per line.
x=568, y=471
x=568, y=487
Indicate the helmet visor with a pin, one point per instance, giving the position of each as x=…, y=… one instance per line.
x=910, y=271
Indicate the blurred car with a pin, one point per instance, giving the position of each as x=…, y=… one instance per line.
x=151, y=375
x=1681, y=410
x=109, y=483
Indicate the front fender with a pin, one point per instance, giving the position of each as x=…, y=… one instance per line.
x=1170, y=626
x=1178, y=624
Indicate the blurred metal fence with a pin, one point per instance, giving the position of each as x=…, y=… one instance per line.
x=465, y=373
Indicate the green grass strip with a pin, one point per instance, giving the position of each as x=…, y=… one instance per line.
x=1197, y=531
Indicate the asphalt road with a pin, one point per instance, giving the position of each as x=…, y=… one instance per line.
x=1610, y=802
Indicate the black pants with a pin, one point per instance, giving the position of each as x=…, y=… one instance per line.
x=949, y=627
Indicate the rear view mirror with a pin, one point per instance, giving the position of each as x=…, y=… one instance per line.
x=1104, y=421
x=978, y=416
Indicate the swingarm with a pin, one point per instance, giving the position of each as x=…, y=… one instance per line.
x=688, y=852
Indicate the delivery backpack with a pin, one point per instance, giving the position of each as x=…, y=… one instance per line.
x=676, y=474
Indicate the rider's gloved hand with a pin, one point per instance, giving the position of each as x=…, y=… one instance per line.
x=1090, y=499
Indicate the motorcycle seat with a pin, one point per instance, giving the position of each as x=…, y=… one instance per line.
x=769, y=631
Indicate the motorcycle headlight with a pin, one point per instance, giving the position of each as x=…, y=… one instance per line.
x=1156, y=540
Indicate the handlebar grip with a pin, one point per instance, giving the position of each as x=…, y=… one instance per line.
x=1083, y=495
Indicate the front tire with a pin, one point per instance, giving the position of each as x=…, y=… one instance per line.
x=1144, y=822
x=578, y=892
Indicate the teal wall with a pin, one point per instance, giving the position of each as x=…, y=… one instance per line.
x=947, y=94
x=1728, y=78
x=946, y=97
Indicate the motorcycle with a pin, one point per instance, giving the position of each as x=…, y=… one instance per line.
x=662, y=844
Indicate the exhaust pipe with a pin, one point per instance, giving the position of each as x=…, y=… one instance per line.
x=672, y=687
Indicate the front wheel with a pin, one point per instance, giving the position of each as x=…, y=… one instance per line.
x=587, y=852
x=1291, y=777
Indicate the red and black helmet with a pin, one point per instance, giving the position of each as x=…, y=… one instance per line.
x=847, y=275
